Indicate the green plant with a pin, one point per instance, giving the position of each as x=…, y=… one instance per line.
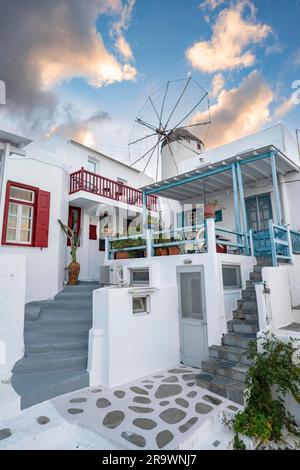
x=128, y=243
x=274, y=373
x=73, y=237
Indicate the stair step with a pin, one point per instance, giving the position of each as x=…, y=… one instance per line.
x=230, y=353
x=238, y=340
x=48, y=385
x=66, y=305
x=247, y=305
x=257, y=277
x=243, y=326
x=39, y=331
x=249, y=295
x=51, y=361
x=250, y=286
x=231, y=389
x=56, y=320
x=242, y=315
x=230, y=370
x=52, y=344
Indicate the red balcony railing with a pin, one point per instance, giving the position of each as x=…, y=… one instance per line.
x=83, y=180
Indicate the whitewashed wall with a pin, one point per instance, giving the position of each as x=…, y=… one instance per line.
x=123, y=346
x=12, y=302
x=44, y=266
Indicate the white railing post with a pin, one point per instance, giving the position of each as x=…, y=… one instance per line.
x=149, y=243
x=211, y=235
x=289, y=240
x=107, y=247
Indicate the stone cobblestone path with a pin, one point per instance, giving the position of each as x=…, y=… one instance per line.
x=155, y=412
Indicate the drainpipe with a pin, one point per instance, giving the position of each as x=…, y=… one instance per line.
x=4, y=159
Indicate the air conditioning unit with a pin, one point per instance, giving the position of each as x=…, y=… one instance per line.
x=111, y=275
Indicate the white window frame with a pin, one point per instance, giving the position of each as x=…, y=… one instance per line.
x=131, y=270
x=237, y=267
x=144, y=302
x=18, y=227
x=94, y=162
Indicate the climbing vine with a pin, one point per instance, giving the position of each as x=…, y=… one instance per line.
x=275, y=373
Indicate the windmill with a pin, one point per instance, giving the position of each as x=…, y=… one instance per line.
x=178, y=112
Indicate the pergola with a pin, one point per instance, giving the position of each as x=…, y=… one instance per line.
x=234, y=173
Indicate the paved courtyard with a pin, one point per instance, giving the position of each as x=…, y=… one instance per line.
x=156, y=412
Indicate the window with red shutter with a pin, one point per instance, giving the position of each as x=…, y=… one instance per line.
x=74, y=220
x=93, y=232
x=26, y=216
x=42, y=219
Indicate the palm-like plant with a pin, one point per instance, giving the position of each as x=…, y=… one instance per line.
x=73, y=237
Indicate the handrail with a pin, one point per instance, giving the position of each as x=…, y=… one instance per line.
x=228, y=230
x=179, y=229
x=84, y=180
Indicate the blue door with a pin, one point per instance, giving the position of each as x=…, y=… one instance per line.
x=259, y=212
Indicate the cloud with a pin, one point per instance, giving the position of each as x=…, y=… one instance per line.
x=122, y=25
x=81, y=130
x=239, y=111
x=210, y=4
x=217, y=85
x=44, y=43
x=232, y=35
x=284, y=108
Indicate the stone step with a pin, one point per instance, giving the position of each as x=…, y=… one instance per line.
x=73, y=314
x=258, y=268
x=247, y=305
x=238, y=340
x=242, y=315
x=250, y=286
x=39, y=331
x=256, y=277
x=231, y=389
x=56, y=320
x=249, y=295
x=82, y=287
x=230, y=370
x=48, y=385
x=264, y=261
x=74, y=296
x=52, y=344
x=66, y=305
x=51, y=361
x=230, y=353
x=243, y=326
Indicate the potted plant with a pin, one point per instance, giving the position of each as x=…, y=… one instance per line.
x=126, y=243
x=74, y=267
x=174, y=250
x=210, y=209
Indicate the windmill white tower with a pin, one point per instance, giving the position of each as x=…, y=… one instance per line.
x=171, y=127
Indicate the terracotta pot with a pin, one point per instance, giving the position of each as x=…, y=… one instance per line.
x=73, y=270
x=210, y=210
x=164, y=251
x=174, y=250
x=121, y=255
x=157, y=251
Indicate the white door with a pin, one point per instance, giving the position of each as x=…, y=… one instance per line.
x=192, y=315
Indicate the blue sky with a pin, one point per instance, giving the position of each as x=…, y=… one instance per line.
x=246, y=54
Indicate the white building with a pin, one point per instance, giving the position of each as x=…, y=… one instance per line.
x=186, y=289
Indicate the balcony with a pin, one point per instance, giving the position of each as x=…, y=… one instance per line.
x=83, y=180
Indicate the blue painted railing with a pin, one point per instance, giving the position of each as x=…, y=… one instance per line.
x=281, y=248
x=295, y=238
x=240, y=239
x=132, y=241
x=183, y=240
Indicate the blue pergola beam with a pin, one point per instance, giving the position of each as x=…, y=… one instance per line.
x=276, y=190
x=243, y=205
x=236, y=200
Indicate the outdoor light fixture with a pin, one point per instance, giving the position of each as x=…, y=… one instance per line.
x=187, y=261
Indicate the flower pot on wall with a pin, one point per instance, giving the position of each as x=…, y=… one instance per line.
x=73, y=271
x=210, y=210
x=164, y=251
x=174, y=250
x=121, y=255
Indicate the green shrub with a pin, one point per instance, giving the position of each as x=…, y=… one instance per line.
x=273, y=373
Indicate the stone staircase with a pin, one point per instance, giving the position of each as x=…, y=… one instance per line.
x=225, y=371
x=56, y=345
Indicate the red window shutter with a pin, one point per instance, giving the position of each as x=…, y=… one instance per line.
x=93, y=232
x=42, y=219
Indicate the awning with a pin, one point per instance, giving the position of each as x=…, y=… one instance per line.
x=212, y=178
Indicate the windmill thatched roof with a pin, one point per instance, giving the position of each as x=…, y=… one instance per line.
x=180, y=134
